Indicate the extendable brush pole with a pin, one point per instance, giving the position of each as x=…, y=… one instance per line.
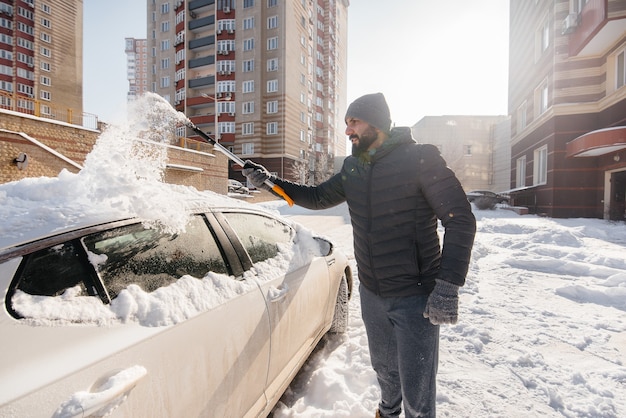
x=275, y=188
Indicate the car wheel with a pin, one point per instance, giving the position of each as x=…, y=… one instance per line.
x=340, y=318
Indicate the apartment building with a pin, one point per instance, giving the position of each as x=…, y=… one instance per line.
x=469, y=144
x=41, y=58
x=567, y=102
x=136, y=67
x=266, y=77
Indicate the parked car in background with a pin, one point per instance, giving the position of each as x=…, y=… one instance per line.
x=121, y=316
x=486, y=194
x=235, y=186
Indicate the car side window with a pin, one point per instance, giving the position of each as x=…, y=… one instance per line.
x=259, y=234
x=151, y=258
x=49, y=272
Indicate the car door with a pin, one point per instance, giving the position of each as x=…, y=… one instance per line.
x=298, y=299
x=135, y=356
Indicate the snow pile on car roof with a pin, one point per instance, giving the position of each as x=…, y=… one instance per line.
x=122, y=177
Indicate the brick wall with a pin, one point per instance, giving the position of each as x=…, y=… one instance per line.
x=66, y=147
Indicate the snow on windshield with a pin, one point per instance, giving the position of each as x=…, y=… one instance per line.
x=123, y=176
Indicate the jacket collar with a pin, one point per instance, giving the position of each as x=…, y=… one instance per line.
x=398, y=136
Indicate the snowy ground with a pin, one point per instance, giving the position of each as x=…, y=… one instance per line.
x=541, y=332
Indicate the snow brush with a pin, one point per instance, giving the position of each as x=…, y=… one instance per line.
x=275, y=188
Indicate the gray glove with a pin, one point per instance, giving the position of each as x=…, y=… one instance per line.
x=442, y=306
x=256, y=174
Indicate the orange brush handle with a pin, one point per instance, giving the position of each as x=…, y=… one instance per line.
x=279, y=191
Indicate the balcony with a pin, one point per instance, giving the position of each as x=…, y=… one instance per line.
x=201, y=43
x=197, y=4
x=595, y=29
x=201, y=82
x=201, y=62
x=201, y=23
x=203, y=120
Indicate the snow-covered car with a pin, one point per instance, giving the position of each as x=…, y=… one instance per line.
x=235, y=186
x=122, y=316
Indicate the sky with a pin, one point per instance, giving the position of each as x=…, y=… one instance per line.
x=429, y=58
x=542, y=316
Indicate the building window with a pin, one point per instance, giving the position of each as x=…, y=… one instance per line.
x=227, y=25
x=541, y=98
x=620, y=70
x=542, y=38
x=467, y=150
x=520, y=178
x=226, y=107
x=272, y=106
x=226, y=66
x=226, y=86
x=540, y=166
x=248, y=23
x=545, y=35
x=272, y=86
x=226, y=127
x=248, y=44
x=272, y=3
x=248, y=86
x=247, y=128
x=272, y=64
x=272, y=43
x=247, y=108
x=271, y=128
x=248, y=66
x=272, y=22
x=248, y=3
x=247, y=148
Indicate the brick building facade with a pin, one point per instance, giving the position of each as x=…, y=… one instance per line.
x=52, y=146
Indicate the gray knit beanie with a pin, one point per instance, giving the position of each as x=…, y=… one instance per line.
x=371, y=108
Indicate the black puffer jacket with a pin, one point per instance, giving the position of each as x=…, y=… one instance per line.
x=395, y=196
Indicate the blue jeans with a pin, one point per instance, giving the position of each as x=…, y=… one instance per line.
x=404, y=351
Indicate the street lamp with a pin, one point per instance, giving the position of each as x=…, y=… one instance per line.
x=217, y=130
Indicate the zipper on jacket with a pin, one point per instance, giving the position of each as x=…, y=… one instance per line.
x=368, y=203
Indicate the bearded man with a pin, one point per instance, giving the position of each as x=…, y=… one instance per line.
x=397, y=191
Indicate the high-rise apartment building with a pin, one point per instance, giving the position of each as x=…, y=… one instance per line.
x=136, y=67
x=41, y=58
x=267, y=77
x=567, y=101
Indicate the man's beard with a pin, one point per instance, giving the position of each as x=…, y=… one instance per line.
x=366, y=139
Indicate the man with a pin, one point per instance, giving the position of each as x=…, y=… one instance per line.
x=396, y=191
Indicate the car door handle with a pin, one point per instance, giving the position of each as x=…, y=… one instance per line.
x=105, y=397
x=276, y=294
